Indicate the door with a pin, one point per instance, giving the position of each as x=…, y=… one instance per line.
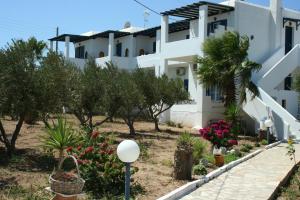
x=288, y=39
x=119, y=49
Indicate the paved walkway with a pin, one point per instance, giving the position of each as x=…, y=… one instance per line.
x=255, y=179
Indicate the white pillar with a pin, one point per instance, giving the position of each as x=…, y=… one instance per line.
x=158, y=36
x=164, y=29
x=67, y=46
x=276, y=10
x=111, y=45
x=202, y=29
x=51, y=45
x=132, y=46
x=193, y=29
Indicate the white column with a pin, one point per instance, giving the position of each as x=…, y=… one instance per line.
x=67, y=46
x=164, y=29
x=51, y=45
x=132, y=46
x=193, y=29
x=158, y=36
x=203, y=15
x=276, y=10
x=111, y=45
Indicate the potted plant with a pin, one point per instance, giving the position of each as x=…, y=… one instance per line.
x=219, y=134
x=183, y=158
x=59, y=137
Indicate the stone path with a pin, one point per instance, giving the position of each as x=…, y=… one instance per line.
x=255, y=179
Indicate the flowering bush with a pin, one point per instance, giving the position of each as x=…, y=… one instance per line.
x=219, y=134
x=99, y=165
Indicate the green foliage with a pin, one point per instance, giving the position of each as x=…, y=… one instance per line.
x=171, y=123
x=131, y=100
x=100, y=165
x=87, y=94
x=199, y=146
x=230, y=157
x=185, y=141
x=246, y=148
x=264, y=142
x=291, y=150
x=160, y=93
x=225, y=60
x=199, y=170
x=60, y=136
x=19, y=91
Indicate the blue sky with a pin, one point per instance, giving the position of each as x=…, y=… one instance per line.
x=21, y=19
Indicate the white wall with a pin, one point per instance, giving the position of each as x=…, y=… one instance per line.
x=94, y=46
x=255, y=20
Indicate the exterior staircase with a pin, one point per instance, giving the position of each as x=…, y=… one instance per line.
x=273, y=72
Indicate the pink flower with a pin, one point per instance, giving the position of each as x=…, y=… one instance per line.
x=95, y=134
x=69, y=149
x=79, y=148
x=89, y=149
x=232, y=142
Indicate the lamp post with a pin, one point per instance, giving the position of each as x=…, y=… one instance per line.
x=128, y=151
x=268, y=124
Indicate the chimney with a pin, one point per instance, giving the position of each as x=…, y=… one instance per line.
x=276, y=12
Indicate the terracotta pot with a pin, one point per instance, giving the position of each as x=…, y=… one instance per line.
x=219, y=160
x=59, y=197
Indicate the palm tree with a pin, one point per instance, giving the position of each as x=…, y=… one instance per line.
x=225, y=64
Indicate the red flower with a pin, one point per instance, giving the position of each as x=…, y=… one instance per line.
x=79, y=148
x=232, y=142
x=89, y=149
x=95, y=134
x=69, y=149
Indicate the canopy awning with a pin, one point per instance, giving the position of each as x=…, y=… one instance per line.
x=173, y=27
x=286, y=19
x=73, y=38
x=192, y=11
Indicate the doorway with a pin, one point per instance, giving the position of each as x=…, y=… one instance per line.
x=288, y=39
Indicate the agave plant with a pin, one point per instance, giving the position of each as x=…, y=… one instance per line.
x=59, y=137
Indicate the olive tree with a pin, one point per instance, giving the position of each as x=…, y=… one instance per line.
x=19, y=63
x=160, y=93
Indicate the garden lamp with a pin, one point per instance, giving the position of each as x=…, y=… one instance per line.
x=268, y=124
x=128, y=151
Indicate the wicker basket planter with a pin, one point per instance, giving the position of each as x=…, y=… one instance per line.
x=67, y=187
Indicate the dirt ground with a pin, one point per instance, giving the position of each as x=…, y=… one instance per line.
x=155, y=164
x=155, y=167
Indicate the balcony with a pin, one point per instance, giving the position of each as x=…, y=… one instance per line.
x=146, y=61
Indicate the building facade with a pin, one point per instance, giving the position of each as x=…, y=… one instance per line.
x=172, y=47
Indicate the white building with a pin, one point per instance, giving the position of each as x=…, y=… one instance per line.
x=171, y=47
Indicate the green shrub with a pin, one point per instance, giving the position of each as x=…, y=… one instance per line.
x=199, y=169
x=99, y=165
x=245, y=149
x=257, y=144
x=264, y=142
x=210, y=158
x=230, y=157
x=199, y=147
x=248, y=146
x=185, y=141
x=179, y=125
x=171, y=124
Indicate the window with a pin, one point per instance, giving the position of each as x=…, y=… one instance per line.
x=288, y=82
x=215, y=94
x=119, y=49
x=283, y=103
x=154, y=47
x=79, y=52
x=187, y=37
x=126, y=52
x=101, y=54
x=186, y=84
x=142, y=52
x=211, y=27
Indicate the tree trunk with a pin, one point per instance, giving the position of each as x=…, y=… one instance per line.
x=16, y=134
x=131, y=128
x=183, y=164
x=230, y=96
x=156, y=125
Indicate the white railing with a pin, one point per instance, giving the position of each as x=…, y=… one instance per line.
x=149, y=60
x=79, y=62
x=182, y=48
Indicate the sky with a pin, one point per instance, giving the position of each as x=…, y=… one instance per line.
x=20, y=19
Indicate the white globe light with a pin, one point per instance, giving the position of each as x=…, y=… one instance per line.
x=268, y=123
x=128, y=151
x=262, y=126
